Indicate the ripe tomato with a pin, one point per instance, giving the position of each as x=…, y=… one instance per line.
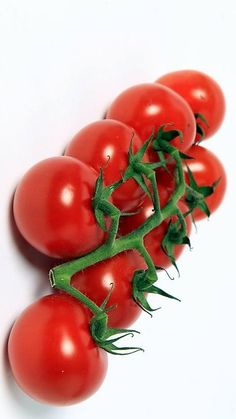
x=96, y=142
x=53, y=208
x=146, y=107
x=95, y=282
x=206, y=169
x=153, y=240
x=52, y=354
x=203, y=95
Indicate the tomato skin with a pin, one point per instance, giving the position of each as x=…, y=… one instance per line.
x=52, y=354
x=146, y=107
x=153, y=240
x=206, y=169
x=202, y=93
x=95, y=282
x=98, y=140
x=53, y=208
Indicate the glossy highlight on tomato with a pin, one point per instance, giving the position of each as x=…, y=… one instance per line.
x=105, y=144
x=116, y=273
x=146, y=107
x=206, y=169
x=203, y=94
x=52, y=354
x=53, y=208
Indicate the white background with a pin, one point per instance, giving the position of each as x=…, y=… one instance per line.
x=62, y=62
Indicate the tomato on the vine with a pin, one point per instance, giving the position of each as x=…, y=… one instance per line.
x=53, y=208
x=52, y=354
x=202, y=93
x=206, y=169
x=105, y=144
x=153, y=240
x=115, y=273
x=146, y=107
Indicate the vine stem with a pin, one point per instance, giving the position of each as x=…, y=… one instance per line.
x=60, y=276
x=62, y=282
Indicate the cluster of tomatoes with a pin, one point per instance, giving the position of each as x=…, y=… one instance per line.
x=52, y=354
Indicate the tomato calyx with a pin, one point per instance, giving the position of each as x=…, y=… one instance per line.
x=176, y=235
x=138, y=170
x=103, y=207
x=195, y=195
x=199, y=129
x=165, y=135
x=142, y=172
x=101, y=204
x=142, y=285
x=103, y=336
x=100, y=332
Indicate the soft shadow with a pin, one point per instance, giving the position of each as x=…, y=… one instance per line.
x=40, y=261
x=29, y=406
x=104, y=113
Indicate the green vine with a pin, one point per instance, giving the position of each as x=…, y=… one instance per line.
x=143, y=280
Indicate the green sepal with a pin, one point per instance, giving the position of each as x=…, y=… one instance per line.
x=174, y=236
x=185, y=156
x=141, y=285
x=199, y=115
x=160, y=268
x=143, y=172
x=166, y=137
x=139, y=170
x=134, y=160
x=142, y=150
x=99, y=193
x=100, y=218
x=102, y=335
x=195, y=195
x=171, y=135
x=103, y=207
x=139, y=178
x=199, y=128
x=105, y=301
x=161, y=158
x=156, y=290
x=201, y=132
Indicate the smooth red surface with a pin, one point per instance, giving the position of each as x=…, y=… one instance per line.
x=153, y=240
x=108, y=139
x=206, y=169
x=146, y=107
x=203, y=94
x=96, y=281
x=53, y=208
x=52, y=354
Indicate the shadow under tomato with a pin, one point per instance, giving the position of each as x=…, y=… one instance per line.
x=32, y=408
x=40, y=261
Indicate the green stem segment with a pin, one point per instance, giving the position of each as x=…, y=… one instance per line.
x=60, y=276
x=143, y=281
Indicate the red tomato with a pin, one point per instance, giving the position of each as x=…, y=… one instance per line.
x=153, y=240
x=52, y=208
x=146, y=107
x=95, y=282
x=203, y=95
x=95, y=142
x=206, y=169
x=52, y=354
